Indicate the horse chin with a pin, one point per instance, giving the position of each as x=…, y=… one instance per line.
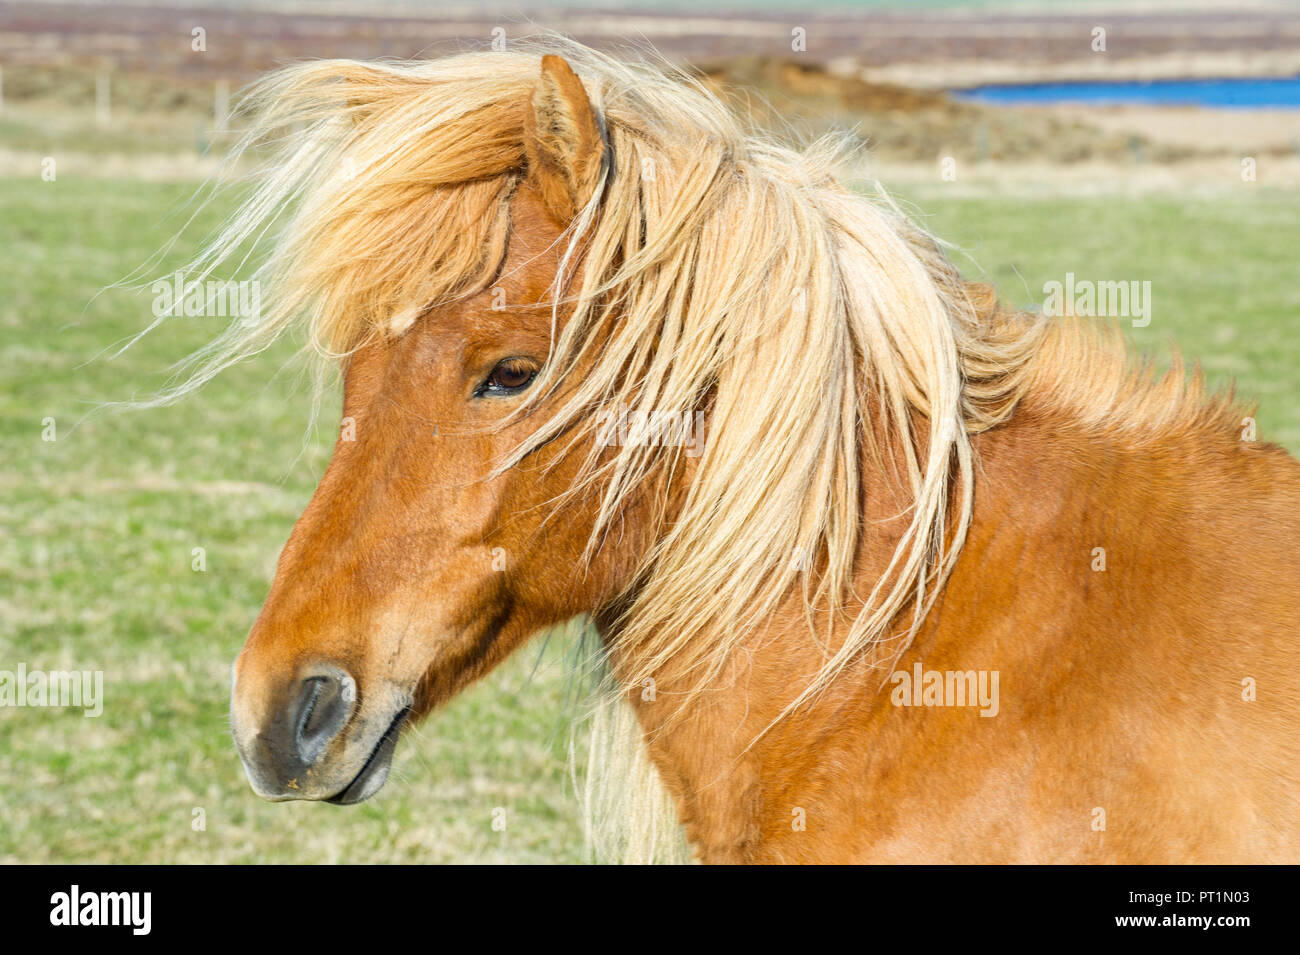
x=374, y=772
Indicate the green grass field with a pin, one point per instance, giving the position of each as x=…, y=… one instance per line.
x=100, y=525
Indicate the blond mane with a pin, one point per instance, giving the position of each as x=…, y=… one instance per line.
x=745, y=280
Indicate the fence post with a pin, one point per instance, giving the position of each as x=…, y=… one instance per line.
x=221, y=105
x=102, y=110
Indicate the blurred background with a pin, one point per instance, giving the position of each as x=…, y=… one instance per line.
x=1145, y=141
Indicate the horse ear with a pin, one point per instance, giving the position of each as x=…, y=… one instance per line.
x=562, y=140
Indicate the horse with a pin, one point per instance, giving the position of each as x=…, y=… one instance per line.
x=882, y=569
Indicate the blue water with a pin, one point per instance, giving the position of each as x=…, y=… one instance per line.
x=1237, y=93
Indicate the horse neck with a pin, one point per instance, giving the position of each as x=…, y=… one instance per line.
x=732, y=761
x=708, y=751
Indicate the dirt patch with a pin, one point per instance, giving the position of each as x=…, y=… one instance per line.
x=900, y=123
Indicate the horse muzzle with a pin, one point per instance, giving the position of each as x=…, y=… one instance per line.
x=310, y=739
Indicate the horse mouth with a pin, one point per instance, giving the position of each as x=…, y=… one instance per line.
x=374, y=773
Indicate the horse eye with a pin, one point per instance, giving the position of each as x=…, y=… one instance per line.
x=508, y=377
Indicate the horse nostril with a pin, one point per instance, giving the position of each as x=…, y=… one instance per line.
x=321, y=708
